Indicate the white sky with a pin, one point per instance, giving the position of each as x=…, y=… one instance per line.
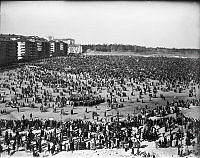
x=162, y=24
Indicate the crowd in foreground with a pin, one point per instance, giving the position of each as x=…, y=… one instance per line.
x=170, y=129
x=74, y=78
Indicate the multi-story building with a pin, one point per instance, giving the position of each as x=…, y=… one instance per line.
x=74, y=49
x=69, y=46
x=61, y=48
x=20, y=49
x=52, y=48
x=3, y=52
x=58, y=48
x=30, y=48
x=8, y=52
x=68, y=41
x=43, y=49
x=31, y=52
x=46, y=49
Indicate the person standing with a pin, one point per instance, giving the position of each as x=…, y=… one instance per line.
x=1, y=149
x=53, y=149
x=48, y=147
x=8, y=150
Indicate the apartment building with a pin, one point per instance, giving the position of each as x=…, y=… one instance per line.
x=8, y=52
x=74, y=49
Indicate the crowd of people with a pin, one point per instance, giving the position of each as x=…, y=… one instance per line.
x=54, y=136
x=79, y=81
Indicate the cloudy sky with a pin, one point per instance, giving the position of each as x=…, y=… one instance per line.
x=151, y=24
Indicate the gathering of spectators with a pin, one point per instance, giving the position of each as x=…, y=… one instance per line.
x=78, y=81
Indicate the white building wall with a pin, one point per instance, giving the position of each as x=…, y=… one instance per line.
x=74, y=49
x=61, y=46
x=52, y=48
x=20, y=49
x=39, y=46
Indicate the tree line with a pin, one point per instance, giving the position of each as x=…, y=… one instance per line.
x=135, y=48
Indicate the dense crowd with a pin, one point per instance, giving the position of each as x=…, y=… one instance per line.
x=157, y=68
x=54, y=136
x=74, y=78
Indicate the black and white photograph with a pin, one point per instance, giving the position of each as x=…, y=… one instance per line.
x=100, y=79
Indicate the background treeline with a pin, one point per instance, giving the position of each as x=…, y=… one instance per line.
x=135, y=48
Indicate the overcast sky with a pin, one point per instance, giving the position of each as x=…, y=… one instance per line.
x=151, y=24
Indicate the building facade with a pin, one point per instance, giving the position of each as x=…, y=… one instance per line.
x=16, y=48
x=43, y=49
x=33, y=49
x=20, y=49
x=75, y=49
x=8, y=52
x=58, y=48
x=68, y=41
x=31, y=52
